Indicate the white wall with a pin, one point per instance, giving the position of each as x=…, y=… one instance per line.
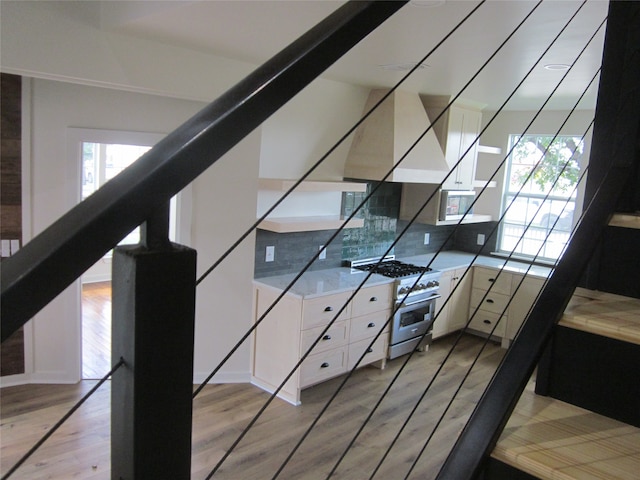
x=55, y=107
x=507, y=123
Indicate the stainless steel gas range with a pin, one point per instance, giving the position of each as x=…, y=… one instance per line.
x=415, y=294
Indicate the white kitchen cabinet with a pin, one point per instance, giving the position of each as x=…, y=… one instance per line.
x=452, y=314
x=505, y=307
x=489, y=302
x=294, y=325
x=523, y=299
x=457, y=131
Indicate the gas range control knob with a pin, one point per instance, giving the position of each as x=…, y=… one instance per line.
x=403, y=290
x=421, y=286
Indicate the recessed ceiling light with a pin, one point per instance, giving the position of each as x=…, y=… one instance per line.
x=557, y=66
x=403, y=67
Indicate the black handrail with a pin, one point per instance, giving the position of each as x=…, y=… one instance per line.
x=616, y=140
x=56, y=257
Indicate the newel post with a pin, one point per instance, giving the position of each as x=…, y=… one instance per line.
x=153, y=331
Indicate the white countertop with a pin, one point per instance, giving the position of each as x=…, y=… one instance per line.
x=335, y=280
x=323, y=282
x=453, y=259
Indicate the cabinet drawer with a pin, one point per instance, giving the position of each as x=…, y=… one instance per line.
x=494, y=302
x=321, y=310
x=372, y=299
x=368, y=326
x=485, y=321
x=376, y=352
x=336, y=336
x=483, y=278
x=323, y=366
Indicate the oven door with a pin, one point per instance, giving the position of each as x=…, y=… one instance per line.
x=413, y=319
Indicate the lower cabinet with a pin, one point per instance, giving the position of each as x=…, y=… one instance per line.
x=500, y=302
x=526, y=291
x=451, y=313
x=296, y=325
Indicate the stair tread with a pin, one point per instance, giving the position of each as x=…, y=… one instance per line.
x=554, y=440
x=605, y=314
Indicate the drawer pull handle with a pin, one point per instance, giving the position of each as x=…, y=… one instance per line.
x=328, y=309
x=373, y=299
x=489, y=300
x=491, y=280
x=324, y=365
x=371, y=325
x=488, y=322
x=327, y=337
x=369, y=350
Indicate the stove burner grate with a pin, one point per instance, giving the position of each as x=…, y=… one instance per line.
x=393, y=269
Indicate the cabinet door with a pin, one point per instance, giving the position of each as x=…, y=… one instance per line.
x=321, y=310
x=463, y=129
x=372, y=299
x=441, y=324
x=485, y=278
x=459, y=304
x=368, y=326
x=522, y=301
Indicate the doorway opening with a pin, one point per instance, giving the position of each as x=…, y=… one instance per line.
x=98, y=157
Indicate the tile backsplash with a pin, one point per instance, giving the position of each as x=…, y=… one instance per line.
x=381, y=226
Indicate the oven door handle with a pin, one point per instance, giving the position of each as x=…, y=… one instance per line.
x=432, y=297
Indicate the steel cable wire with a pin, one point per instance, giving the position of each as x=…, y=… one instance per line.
x=376, y=336
x=512, y=201
x=290, y=190
x=347, y=220
x=512, y=296
x=312, y=347
x=64, y=418
x=281, y=295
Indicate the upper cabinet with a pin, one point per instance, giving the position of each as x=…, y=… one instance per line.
x=457, y=131
x=313, y=205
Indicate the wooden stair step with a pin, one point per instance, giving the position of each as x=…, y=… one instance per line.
x=553, y=440
x=602, y=313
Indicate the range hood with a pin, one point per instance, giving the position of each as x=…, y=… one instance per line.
x=381, y=141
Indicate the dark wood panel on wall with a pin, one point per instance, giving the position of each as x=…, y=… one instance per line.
x=12, y=351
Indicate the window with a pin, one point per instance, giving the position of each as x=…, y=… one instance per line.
x=540, y=195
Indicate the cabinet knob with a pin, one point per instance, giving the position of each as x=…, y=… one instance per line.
x=491, y=280
x=487, y=322
x=373, y=299
x=371, y=325
x=369, y=350
x=328, y=309
x=327, y=337
x=489, y=300
x=324, y=365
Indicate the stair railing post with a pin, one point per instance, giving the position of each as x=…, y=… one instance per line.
x=153, y=289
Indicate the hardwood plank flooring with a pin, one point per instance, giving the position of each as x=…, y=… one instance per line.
x=81, y=448
x=96, y=330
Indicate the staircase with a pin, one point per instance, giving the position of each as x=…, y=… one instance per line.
x=583, y=419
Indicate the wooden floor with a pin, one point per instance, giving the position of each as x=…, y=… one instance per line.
x=81, y=448
x=96, y=330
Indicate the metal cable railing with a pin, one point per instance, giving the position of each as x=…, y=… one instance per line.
x=318, y=339
x=247, y=335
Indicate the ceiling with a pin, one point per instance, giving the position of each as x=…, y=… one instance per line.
x=253, y=31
